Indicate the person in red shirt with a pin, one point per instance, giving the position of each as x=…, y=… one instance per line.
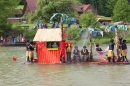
x=62, y=51
x=68, y=51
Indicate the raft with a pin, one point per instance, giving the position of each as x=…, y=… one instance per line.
x=91, y=63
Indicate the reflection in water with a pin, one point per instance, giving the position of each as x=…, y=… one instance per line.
x=18, y=74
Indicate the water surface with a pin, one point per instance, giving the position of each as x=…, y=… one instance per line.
x=18, y=74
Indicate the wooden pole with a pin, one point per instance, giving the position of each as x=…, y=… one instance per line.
x=61, y=28
x=90, y=54
x=117, y=45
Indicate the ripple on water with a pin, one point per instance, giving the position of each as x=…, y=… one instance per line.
x=18, y=74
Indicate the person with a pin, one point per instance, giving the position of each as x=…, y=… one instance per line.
x=27, y=51
x=76, y=53
x=53, y=25
x=119, y=49
x=31, y=51
x=1, y=39
x=15, y=40
x=63, y=51
x=22, y=39
x=56, y=25
x=85, y=54
x=68, y=51
x=4, y=41
x=111, y=51
x=45, y=25
x=99, y=50
x=124, y=51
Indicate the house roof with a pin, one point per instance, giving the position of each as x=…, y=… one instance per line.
x=32, y=4
x=78, y=8
x=48, y=35
x=84, y=8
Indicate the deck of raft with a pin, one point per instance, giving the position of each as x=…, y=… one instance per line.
x=87, y=63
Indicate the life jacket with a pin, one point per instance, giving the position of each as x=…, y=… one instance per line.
x=69, y=46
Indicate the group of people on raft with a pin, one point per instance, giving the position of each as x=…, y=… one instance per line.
x=122, y=51
x=83, y=55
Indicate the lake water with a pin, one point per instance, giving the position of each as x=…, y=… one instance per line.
x=18, y=74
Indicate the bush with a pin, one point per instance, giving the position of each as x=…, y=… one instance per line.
x=29, y=35
x=73, y=33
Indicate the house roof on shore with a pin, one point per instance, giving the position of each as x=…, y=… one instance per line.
x=87, y=7
x=31, y=5
x=52, y=34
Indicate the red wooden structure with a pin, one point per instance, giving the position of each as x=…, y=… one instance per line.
x=49, y=45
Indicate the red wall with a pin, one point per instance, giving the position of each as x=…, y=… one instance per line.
x=47, y=56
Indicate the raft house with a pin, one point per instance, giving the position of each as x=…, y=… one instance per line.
x=49, y=44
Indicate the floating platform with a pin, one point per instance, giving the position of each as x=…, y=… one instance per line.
x=103, y=63
x=95, y=63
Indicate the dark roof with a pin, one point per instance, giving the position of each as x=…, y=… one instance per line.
x=32, y=4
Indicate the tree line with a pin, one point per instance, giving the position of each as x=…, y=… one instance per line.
x=119, y=10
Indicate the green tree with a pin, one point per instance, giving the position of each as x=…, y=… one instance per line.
x=88, y=19
x=109, y=7
x=46, y=8
x=121, y=11
x=6, y=8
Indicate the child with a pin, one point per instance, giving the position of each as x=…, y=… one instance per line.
x=124, y=51
x=85, y=54
x=99, y=50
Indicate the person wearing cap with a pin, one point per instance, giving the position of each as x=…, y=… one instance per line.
x=31, y=51
x=124, y=51
x=111, y=51
x=76, y=53
x=85, y=54
x=27, y=51
x=68, y=51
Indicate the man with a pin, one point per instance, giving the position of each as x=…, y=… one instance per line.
x=68, y=51
x=76, y=53
x=63, y=51
x=111, y=51
x=85, y=54
x=27, y=51
x=31, y=51
x=124, y=51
